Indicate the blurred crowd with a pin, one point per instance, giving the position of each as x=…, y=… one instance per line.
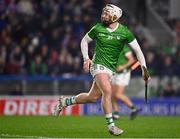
x=42, y=37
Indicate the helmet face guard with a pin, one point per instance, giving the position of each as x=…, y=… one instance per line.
x=110, y=14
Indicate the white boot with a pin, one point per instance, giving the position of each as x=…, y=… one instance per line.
x=58, y=108
x=114, y=130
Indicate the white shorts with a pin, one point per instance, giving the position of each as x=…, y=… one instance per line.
x=121, y=78
x=97, y=68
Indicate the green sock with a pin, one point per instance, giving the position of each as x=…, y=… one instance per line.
x=115, y=113
x=70, y=101
x=133, y=108
x=109, y=119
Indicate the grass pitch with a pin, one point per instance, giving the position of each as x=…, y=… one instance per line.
x=87, y=127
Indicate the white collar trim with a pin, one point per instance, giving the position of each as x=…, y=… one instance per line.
x=112, y=30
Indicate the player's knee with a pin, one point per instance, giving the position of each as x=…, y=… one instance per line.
x=93, y=99
x=107, y=92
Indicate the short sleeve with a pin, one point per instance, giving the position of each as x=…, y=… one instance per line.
x=92, y=32
x=130, y=36
x=126, y=49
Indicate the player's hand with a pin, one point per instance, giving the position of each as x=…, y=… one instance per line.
x=120, y=69
x=86, y=65
x=135, y=65
x=146, y=75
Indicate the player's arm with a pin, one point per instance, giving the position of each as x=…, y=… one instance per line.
x=130, y=60
x=135, y=65
x=135, y=46
x=84, y=49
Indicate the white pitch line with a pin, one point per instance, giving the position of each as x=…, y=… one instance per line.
x=40, y=137
x=19, y=136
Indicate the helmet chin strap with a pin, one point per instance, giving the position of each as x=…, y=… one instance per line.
x=114, y=18
x=107, y=23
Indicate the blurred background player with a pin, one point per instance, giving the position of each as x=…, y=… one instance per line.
x=110, y=38
x=121, y=79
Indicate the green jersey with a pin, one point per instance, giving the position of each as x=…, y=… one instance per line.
x=122, y=57
x=109, y=44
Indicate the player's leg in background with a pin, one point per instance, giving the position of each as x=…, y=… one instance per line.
x=118, y=94
x=119, y=83
x=115, y=107
x=104, y=85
